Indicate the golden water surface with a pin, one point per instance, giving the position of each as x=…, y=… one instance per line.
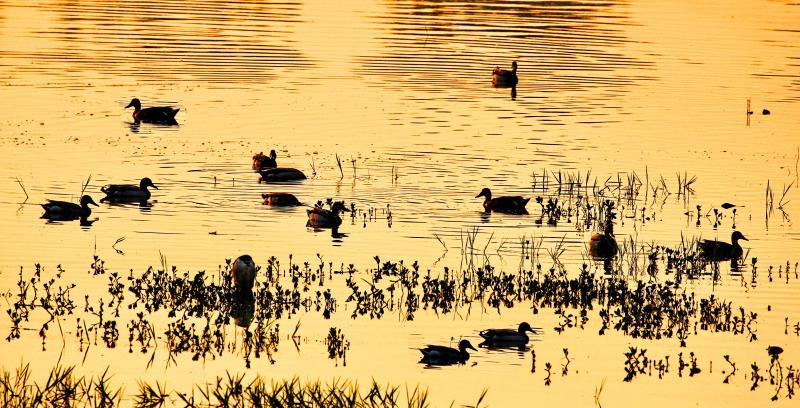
x=401, y=92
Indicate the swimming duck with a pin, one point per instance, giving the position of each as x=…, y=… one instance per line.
x=443, y=355
x=280, y=199
x=281, y=174
x=260, y=161
x=604, y=244
x=506, y=204
x=155, y=114
x=508, y=336
x=718, y=250
x=65, y=211
x=128, y=192
x=502, y=78
x=243, y=271
x=321, y=217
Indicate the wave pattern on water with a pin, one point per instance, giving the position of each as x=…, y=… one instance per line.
x=164, y=40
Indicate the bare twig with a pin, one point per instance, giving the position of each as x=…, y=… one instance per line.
x=19, y=181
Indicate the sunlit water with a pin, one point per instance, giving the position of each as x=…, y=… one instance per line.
x=401, y=93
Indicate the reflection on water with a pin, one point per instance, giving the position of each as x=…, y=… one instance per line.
x=166, y=41
x=391, y=106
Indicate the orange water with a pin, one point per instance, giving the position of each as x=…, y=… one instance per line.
x=401, y=92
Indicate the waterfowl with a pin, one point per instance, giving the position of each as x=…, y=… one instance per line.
x=443, y=355
x=604, y=244
x=128, y=192
x=261, y=161
x=718, y=250
x=506, y=204
x=243, y=271
x=508, y=336
x=281, y=174
x=280, y=199
x=65, y=211
x=321, y=217
x=155, y=114
x=502, y=78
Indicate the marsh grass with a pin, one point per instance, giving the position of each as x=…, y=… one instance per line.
x=65, y=388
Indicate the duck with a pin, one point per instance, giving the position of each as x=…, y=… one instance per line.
x=321, y=217
x=243, y=271
x=718, y=250
x=65, y=211
x=443, y=355
x=505, y=204
x=155, y=114
x=508, y=336
x=260, y=161
x=279, y=174
x=502, y=78
x=128, y=192
x=604, y=244
x=280, y=199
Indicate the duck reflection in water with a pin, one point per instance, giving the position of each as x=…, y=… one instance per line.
x=243, y=308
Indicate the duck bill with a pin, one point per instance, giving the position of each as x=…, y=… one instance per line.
x=154, y=186
x=472, y=348
x=93, y=203
x=128, y=106
x=745, y=238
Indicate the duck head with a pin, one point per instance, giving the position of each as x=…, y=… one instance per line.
x=737, y=236
x=524, y=326
x=86, y=200
x=514, y=67
x=485, y=193
x=273, y=155
x=146, y=182
x=135, y=103
x=463, y=345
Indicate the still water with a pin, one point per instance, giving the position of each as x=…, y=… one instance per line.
x=400, y=92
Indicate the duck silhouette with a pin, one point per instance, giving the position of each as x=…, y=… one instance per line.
x=322, y=217
x=508, y=337
x=157, y=114
x=504, y=204
x=502, y=78
x=243, y=272
x=67, y=211
x=128, y=192
x=443, y=355
x=720, y=251
x=262, y=161
x=280, y=199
